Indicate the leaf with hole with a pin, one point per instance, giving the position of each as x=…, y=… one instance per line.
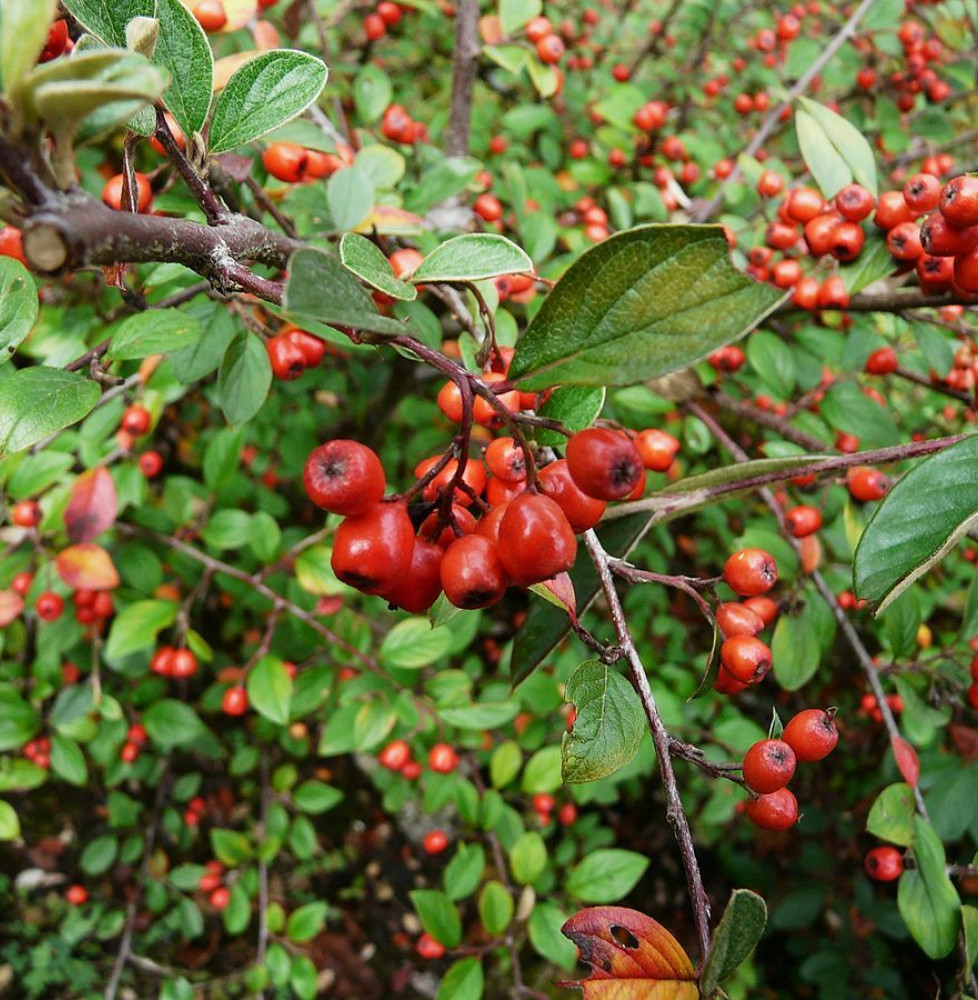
x=643, y=303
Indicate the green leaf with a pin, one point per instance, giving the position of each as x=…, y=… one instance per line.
x=846, y=408
x=156, y=331
x=18, y=306
x=37, y=402
x=542, y=773
x=413, y=643
x=438, y=916
x=736, y=935
x=927, y=900
x=873, y=263
x=183, y=50
x=171, y=723
x=23, y=32
x=306, y=922
x=367, y=261
x=270, y=689
x=969, y=920
x=372, y=92
x=544, y=929
x=316, y=797
x=826, y=163
x=496, y=905
x=472, y=257
x=99, y=854
x=9, y=822
x=847, y=141
x=483, y=715
x=464, y=872
x=107, y=19
x=505, y=763
x=609, y=726
x=303, y=977
x=795, y=648
x=773, y=361
x=383, y=165
x=350, y=194
x=266, y=92
x=68, y=761
x=513, y=14
x=575, y=406
x=891, y=817
x=244, y=379
x=528, y=858
x=463, y=981
x=136, y=627
x=605, y=876
x=230, y=847
x=641, y=304
x=18, y=721
x=320, y=287
x=445, y=179
x=917, y=523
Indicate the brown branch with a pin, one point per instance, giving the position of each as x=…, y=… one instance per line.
x=203, y=194
x=891, y=300
x=765, y=418
x=464, y=66
x=675, y=812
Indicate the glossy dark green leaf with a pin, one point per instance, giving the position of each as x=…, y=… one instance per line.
x=846, y=408
x=926, y=897
x=641, y=304
x=439, y=916
x=609, y=725
x=464, y=872
x=472, y=257
x=18, y=306
x=795, y=648
x=156, y=331
x=320, y=287
x=171, y=723
x=773, y=361
x=891, y=816
x=37, y=402
x=306, y=922
x=244, y=379
x=183, y=50
x=68, y=760
x=917, y=523
x=606, y=875
x=266, y=92
x=18, y=720
x=496, y=904
x=270, y=689
x=136, y=626
x=738, y=932
x=367, y=261
x=873, y=263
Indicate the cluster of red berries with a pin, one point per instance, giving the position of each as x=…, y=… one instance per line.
x=921, y=54
x=397, y=756
x=744, y=659
x=549, y=45
x=398, y=126
x=93, y=607
x=525, y=537
x=544, y=805
x=294, y=164
x=869, y=706
x=385, y=16
x=39, y=751
x=292, y=351
x=194, y=813
x=169, y=661
x=211, y=883
x=136, y=739
x=770, y=764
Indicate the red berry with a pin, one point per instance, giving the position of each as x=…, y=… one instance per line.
x=657, y=449
x=428, y=947
x=882, y=361
x=811, y=734
x=442, y=758
x=183, y=664
x=420, y=586
x=136, y=420
x=536, y=541
x=582, y=511
x=235, y=700
x=372, y=551
x=768, y=766
x=287, y=358
x=738, y=619
x=922, y=193
x=505, y=460
x=803, y=520
x=959, y=201
x=745, y=658
x=312, y=348
x=395, y=755
x=855, y=203
x=866, y=483
x=12, y=244
x=375, y=27
x=775, y=811
x=604, y=463
x=26, y=514
x=56, y=43
x=220, y=898
x=112, y=192
x=750, y=572
x=129, y=753
x=344, y=477
x=435, y=842
x=49, y=606
x=472, y=573
x=210, y=14
x=77, y=895
x=550, y=49
x=150, y=464
x=884, y=864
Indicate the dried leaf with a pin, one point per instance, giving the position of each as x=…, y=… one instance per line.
x=906, y=760
x=11, y=605
x=93, y=505
x=632, y=957
x=87, y=567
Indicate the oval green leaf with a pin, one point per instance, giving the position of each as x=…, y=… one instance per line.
x=473, y=257
x=36, y=402
x=270, y=689
x=183, y=50
x=18, y=306
x=154, y=332
x=367, y=261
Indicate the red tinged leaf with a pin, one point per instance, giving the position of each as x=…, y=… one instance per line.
x=632, y=957
x=561, y=587
x=906, y=760
x=93, y=505
x=87, y=567
x=11, y=605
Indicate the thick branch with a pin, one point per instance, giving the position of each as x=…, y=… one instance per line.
x=891, y=300
x=464, y=67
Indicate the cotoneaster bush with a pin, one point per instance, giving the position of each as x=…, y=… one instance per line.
x=487, y=486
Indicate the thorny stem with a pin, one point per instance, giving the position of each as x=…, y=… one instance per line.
x=660, y=739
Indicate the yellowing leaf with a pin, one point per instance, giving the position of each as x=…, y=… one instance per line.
x=87, y=567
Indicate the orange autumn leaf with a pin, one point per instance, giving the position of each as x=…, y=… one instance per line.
x=11, y=605
x=491, y=29
x=87, y=567
x=632, y=957
x=906, y=760
x=92, y=506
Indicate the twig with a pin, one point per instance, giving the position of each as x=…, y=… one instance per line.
x=464, y=65
x=661, y=740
